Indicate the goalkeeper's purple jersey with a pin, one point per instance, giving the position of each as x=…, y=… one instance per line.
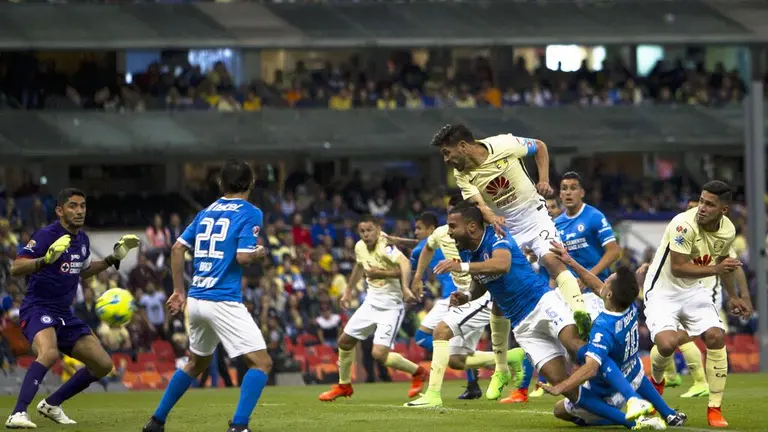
x=55, y=285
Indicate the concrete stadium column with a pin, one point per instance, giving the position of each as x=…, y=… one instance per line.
x=250, y=65
x=754, y=157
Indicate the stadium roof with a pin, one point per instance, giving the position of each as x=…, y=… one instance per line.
x=361, y=132
x=348, y=24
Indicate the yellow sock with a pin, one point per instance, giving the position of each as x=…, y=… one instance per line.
x=396, y=361
x=693, y=360
x=658, y=364
x=345, y=365
x=569, y=289
x=500, y=341
x=717, y=372
x=671, y=372
x=479, y=359
x=440, y=356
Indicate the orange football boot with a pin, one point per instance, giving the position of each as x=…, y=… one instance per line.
x=417, y=382
x=658, y=386
x=337, y=391
x=715, y=417
x=516, y=396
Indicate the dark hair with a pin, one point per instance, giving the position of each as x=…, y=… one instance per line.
x=624, y=288
x=469, y=211
x=555, y=199
x=68, y=193
x=454, y=199
x=236, y=176
x=572, y=175
x=719, y=188
x=368, y=218
x=450, y=135
x=428, y=218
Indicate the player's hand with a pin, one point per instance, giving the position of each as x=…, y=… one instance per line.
x=553, y=390
x=498, y=223
x=124, y=245
x=446, y=266
x=375, y=273
x=417, y=288
x=458, y=298
x=561, y=253
x=738, y=307
x=175, y=303
x=408, y=297
x=544, y=189
x=346, y=299
x=391, y=241
x=259, y=253
x=57, y=248
x=727, y=265
x=530, y=255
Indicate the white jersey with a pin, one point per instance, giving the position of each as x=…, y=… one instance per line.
x=382, y=293
x=439, y=239
x=684, y=235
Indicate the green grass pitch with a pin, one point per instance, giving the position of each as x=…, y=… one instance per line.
x=376, y=407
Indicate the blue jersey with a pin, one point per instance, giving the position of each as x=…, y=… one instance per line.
x=217, y=234
x=615, y=335
x=446, y=281
x=585, y=236
x=516, y=292
x=55, y=285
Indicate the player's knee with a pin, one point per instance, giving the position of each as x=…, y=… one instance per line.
x=380, y=353
x=442, y=332
x=666, y=345
x=457, y=362
x=102, y=367
x=259, y=360
x=683, y=338
x=196, y=365
x=714, y=338
x=346, y=342
x=47, y=356
x=560, y=412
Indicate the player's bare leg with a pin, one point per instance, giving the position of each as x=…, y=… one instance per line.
x=717, y=372
x=692, y=357
x=44, y=345
x=179, y=384
x=500, y=328
x=385, y=356
x=665, y=344
x=346, y=346
x=98, y=364
x=568, y=286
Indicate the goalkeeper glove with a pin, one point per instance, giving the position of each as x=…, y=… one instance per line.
x=57, y=248
x=122, y=247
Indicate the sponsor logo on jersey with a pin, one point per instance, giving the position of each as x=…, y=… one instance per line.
x=703, y=261
x=496, y=186
x=225, y=207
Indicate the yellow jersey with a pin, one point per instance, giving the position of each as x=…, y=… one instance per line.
x=502, y=180
x=439, y=239
x=684, y=235
x=383, y=293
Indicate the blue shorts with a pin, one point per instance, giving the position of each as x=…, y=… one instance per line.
x=69, y=328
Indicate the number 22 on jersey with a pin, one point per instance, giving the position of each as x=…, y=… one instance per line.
x=213, y=231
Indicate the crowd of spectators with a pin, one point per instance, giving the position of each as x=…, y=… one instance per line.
x=31, y=84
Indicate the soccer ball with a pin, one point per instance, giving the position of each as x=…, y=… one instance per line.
x=116, y=306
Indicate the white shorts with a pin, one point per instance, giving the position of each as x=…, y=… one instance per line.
x=226, y=322
x=693, y=312
x=616, y=400
x=532, y=227
x=594, y=304
x=369, y=318
x=538, y=333
x=437, y=313
x=468, y=322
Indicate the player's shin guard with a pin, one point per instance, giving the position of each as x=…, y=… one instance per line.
x=79, y=382
x=659, y=364
x=29, y=387
x=396, y=361
x=250, y=392
x=345, y=365
x=423, y=339
x=717, y=372
x=500, y=328
x=440, y=357
x=178, y=385
x=569, y=289
x=480, y=359
x=597, y=406
x=692, y=357
x=649, y=393
x=527, y=374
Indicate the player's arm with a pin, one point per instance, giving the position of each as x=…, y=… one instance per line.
x=738, y=306
x=401, y=241
x=178, y=251
x=31, y=257
x=25, y=266
x=405, y=273
x=248, y=251
x=541, y=157
x=476, y=290
x=578, y=377
x=682, y=237
x=425, y=257
x=600, y=345
x=587, y=277
x=499, y=262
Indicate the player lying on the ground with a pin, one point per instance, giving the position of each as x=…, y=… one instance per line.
x=614, y=336
x=542, y=322
x=54, y=261
x=382, y=311
x=224, y=238
x=695, y=247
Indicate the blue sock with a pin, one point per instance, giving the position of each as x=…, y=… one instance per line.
x=250, y=392
x=616, y=379
x=471, y=378
x=594, y=404
x=423, y=339
x=649, y=393
x=527, y=374
x=179, y=384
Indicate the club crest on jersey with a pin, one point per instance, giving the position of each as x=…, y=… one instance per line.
x=31, y=246
x=83, y=250
x=580, y=227
x=45, y=319
x=486, y=257
x=718, y=246
x=497, y=186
